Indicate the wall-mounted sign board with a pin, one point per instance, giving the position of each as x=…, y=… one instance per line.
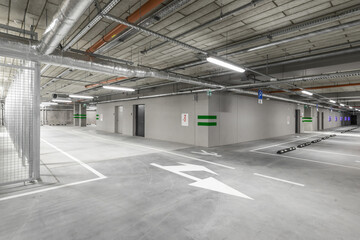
x=185, y=119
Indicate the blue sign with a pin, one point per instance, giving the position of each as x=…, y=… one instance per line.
x=317, y=107
x=260, y=97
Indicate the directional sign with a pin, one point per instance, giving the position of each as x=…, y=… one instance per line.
x=203, y=152
x=209, y=183
x=260, y=97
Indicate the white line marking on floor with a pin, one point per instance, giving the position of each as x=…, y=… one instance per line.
x=253, y=150
x=308, y=160
x=279, y=179
x=100, y=176
x=357, y=161
x=159, y=150
x=76, y=160
x=50, y=188
x=343, y=154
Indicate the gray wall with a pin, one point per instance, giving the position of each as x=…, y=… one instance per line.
x=57, y=117
x=162, y=118
x=239, y=118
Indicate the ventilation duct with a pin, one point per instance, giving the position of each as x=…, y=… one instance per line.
x=68, y=14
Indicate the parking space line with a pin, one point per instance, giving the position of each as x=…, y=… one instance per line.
x=100, y=175
x=253, y=150
x=343, y=154
x=279, y=179
x=309, y=160
x=50, y=188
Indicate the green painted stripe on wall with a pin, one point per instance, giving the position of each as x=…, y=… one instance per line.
x=80, y=117
x=307, y=118
x=97, y=118
x=206, y=117
x=207, y=124
x=307, y=121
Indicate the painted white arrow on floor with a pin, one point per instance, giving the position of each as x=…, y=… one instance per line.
x=203, y=152
x=207, y=183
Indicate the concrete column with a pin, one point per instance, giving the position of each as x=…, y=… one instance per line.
x=76, y=114
x=82, y=108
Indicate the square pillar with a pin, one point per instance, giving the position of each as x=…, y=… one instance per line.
x=82, y=115
x=76, y=114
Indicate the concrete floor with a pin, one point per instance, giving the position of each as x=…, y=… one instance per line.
x=107, y=186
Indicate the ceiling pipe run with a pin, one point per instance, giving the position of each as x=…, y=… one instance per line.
x=152, y=33
x=298, y=27
x=320, y=87
x=138, y=14
x=213, y=21
x=299, y=37
x=17, y=49
x=91, y=24
x=282, y=31
x=68, y=14
x=105, y=82
x=147, y=22
x=296, y=79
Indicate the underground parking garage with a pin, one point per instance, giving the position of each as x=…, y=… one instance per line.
x=179, y=119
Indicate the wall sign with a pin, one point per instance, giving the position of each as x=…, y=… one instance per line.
x=260, y=97
x=185, y=119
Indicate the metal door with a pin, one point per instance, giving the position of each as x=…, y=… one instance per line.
x=297, y=121
x=140, y=120
x=119, y=119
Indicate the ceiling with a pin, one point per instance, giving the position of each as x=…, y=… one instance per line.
x=268, y=21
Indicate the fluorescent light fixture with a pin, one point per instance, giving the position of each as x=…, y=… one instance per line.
x=62, y=100
x=307, y=93
x=80, y=96
x=225, y=64
x=119, y=88
x=44, y=104
x=342, y=105
x=350, y=107
x=332, y=101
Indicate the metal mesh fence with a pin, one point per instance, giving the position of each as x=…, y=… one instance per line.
x=18, y=142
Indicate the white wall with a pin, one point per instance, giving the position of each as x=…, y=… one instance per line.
x=90, y=117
